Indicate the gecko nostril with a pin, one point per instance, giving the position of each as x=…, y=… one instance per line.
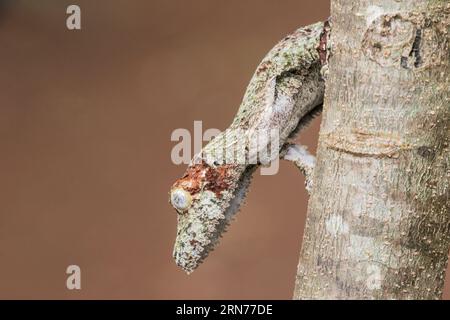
x=180, y=199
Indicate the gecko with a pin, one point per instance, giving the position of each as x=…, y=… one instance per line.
x=284, y=94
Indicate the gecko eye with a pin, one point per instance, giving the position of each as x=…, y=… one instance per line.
x=180, y=199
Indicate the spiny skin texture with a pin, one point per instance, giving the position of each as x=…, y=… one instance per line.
x=283, y=93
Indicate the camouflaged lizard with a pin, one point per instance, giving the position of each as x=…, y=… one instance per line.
x=284, y=94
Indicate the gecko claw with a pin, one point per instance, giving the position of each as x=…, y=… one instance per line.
x=303, y=160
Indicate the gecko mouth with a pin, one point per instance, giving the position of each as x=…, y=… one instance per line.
x=233, y=208
x=190, y=256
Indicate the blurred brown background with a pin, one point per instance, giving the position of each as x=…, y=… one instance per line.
x=85, y=124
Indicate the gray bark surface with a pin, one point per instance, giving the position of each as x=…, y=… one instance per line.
x=378, y=224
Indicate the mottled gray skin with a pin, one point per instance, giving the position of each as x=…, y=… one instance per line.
x=285, y=90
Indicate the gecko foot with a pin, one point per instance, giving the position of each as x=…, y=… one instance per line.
x=303, y=160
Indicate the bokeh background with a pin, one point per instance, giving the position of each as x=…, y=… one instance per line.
x=85, y=168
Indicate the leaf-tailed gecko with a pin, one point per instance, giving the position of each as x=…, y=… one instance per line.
x=285, y=92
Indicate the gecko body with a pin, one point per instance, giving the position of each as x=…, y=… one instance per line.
x=285, y=92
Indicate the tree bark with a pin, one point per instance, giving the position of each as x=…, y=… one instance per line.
x=378, y=224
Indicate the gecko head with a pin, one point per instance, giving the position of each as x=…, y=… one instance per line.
x=204, y=199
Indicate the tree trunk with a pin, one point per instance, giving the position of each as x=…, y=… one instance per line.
x=378, y=223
